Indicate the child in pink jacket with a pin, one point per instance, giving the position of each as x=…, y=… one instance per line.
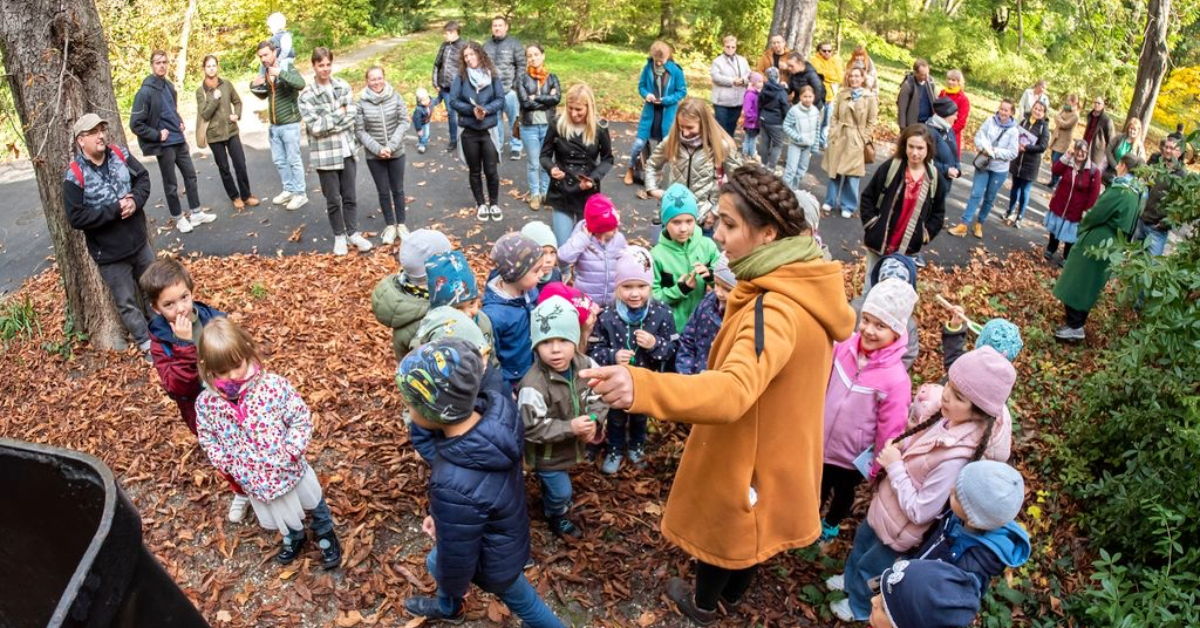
x=919, y=468
x=866, y=403
x=593, y=249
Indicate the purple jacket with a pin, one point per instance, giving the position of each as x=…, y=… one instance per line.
x=867, y=407
x=750, y=110
x=595, y=263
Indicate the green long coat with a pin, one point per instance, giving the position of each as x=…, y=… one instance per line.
x=1083, y=278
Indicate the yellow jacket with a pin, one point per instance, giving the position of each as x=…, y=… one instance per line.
x=831, y=72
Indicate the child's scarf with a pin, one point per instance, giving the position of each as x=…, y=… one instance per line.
x=632, y=316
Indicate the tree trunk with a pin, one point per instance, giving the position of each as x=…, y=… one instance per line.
x=56, y=59
x=666, y=21
x=837, y=28
x=1152, y=63
x=795, y=19
x=1020, y=27
x=182, y=57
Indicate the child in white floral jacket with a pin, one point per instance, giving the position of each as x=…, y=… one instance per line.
x=255, y=427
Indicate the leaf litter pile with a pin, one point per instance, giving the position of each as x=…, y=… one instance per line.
x=311, y=317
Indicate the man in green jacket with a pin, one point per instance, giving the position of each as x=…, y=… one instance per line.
x=280, y=87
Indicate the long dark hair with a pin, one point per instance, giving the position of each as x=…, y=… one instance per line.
x=764, y=199
x=916, y=130
x=484, y=60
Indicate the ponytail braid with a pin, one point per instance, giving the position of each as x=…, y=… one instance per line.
x=985, y=440
x=764, y=199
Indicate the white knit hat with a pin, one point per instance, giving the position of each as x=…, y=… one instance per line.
x=892, y=302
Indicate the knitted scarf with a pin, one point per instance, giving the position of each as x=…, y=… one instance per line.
x=768, y=257
x=539, y=74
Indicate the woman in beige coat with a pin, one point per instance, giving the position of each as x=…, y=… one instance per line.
x=1063, y=132
x=855, y=113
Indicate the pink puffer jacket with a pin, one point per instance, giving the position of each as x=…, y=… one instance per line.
x=595, y=263
x=865, y=407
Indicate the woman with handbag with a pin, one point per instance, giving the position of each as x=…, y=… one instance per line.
x=218, y=108
x=997, y=142
x=855, y=114
x=577, y=153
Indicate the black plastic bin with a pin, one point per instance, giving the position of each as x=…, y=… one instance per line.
x=71, y=551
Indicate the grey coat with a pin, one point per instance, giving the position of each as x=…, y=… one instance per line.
x=508, y=55
x=908, y=101
x=694, y=169
x=380, y=121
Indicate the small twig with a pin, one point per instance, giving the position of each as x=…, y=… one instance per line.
x=950, y=306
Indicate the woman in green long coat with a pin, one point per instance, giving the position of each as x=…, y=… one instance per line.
x=1083, y=278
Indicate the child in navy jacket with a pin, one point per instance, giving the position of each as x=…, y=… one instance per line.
x=698, y=335
x=509, y=301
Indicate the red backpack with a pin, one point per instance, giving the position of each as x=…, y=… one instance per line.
x=78, y=172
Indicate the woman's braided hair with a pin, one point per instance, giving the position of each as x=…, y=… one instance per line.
x=764, y=199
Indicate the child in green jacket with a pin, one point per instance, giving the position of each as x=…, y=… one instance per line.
x=684, y=258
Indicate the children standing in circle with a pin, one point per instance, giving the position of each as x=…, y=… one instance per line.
x=683, y=260
x=635, y=330
x=254, y=426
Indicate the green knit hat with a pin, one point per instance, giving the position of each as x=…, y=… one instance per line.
x=554, y=318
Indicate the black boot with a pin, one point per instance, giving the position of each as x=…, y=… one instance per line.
x=331, y=550
x=429, y=607
x=561, y=526
x=291, y=549
x=681, y=594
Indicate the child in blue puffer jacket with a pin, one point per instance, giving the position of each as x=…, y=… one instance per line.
x=508, y=302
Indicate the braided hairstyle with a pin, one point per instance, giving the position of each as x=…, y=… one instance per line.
x=765, y=200
x=933, y=420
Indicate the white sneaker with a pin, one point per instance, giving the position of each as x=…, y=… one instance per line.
x=339, y=245
x=841, y=610
x=362, y=243
x=483, y=213
x=182, y=224
x=836, y=583
x=389, y=235
x=825, y=208
x=847, y=213
x=237, y=510
x=283, y=198
x=298, y=201
x=401, y=232
x=497, y=213
x=201, y=217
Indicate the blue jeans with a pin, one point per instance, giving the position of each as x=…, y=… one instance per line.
x=842, y=193
x=285, y=152
x=797, y=165
x=750, y=144
x=556, y=492
x=520, y=598
x=1054, y=157
x=539, y=180
x=1019, y=197
x=451, y=114
x=618, y=424
x=984, y=187
x=868, y=558
x=512, y=109
x=727, y=117
x=321, y=523
x=638, y=145
x=562, y=224
x=1158, y=239
x=823, y=136
x=423, y=135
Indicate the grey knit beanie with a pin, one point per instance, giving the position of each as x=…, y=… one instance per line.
x=991, y=494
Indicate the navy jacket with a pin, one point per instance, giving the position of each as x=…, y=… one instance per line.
x=463, y=98
x=985, y=554
x=510, y=323
x=612, y=334
x=772, y=104
x=698, y=336
x=146, y=117
x=946, y=156
x=477, y=500
x=422, y=439
x=810, y=77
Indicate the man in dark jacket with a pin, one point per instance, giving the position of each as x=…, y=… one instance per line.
x=478, y=516
x=508, y=55
x=801, y=73
x=914, y=104
x=445, y=70
x=280, y=86
x=156, y=122
x=1153, y=224
x=104, y=190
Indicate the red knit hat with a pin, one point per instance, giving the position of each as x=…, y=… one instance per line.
x=582, y=302
x=600, y=215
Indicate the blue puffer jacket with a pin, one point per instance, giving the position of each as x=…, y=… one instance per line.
x=477, y=500
x=698, y=336
x=422, y=439
x=676, y=90
x=510, y=323
x=983, y=554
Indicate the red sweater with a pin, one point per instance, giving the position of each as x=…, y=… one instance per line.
x=1076, y=192
x=964, y=112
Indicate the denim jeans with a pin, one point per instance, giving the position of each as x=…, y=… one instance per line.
x=285, y=152
x=638, y=145
x=423, y=135
x=984, y=187
x=625, y=431
x=520, y=598
x=1158, y=239
x=512, y=109
x=770, y=145
x=451, y=115
x=868, y=558
x=321, y=523
x=823, y=136
x=842, y=193
x=532, y=137
x=121, y=277
x=750, y=143
x=1054, y=157
x=556, y=492
x=797, y=165
x=1019, y=196
x=562, y=224
x=727, y=117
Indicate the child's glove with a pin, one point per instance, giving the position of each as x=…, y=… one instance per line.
x=926, y=403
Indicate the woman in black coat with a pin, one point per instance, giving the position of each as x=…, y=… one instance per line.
x=904, y=205
x=577, y=154
x=478, y=96
x=1024, y=168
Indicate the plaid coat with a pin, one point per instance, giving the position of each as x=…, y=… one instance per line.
x=328, y=112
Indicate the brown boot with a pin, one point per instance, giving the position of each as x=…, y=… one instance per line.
x=629, y=176
x=959, y=231
x=681, y=594
x=252, y=201
x=978, y=230
x=238, y=204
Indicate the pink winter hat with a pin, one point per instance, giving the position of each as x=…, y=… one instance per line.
x=600, y=215
x=635, y=264
x=582, y=302
x=984, y=377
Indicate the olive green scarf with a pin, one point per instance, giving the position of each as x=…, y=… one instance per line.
x=768, y=257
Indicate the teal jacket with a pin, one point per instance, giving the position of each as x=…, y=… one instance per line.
x=672, y=261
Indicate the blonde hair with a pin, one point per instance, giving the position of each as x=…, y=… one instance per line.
x=580, y=92
x=714, y=139
x=958, y=76
x=660, y=50
x=224, y=346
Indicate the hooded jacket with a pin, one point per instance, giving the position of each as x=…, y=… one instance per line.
x=548, y=402
x=510, y=324
x=984, y=554
x=866, y=406
x=464, y=97
x=753, y=459
x=675, y=91
x=947, y=153
x=999, y=140
x=964, y=115
x=380, y=121
x=595, y=262
x=697, y=338
x=145, y=119
x=772, y=104
x=1077, y=189
x=177, y=363
x=477, y=500
x=673, y=260
x=400, y=306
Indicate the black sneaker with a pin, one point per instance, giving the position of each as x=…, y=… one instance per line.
x=561, y=526
x=451, y=147
x=331, y=550
x=679, y=593
x=291, y=549
x=515, y=155
x=429, y=607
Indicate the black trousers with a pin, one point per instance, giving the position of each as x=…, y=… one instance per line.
x=714, y=583
x=1075, y=318
x=838, y=485
x=388, y=175
x=1052, y=247
x=480, y=153
x=169, y=158
x=340, y=199
x=225, y=152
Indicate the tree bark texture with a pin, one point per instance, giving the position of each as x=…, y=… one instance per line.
x=56, y=59
x=795, y=20
x=181, y=59
x=1152, y=63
